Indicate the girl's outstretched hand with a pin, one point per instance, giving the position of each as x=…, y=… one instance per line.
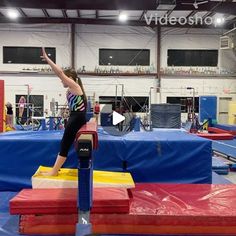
x=44, y=56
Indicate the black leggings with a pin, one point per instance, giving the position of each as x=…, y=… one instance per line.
x=75, y=122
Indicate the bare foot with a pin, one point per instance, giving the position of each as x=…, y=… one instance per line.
x=48, y=173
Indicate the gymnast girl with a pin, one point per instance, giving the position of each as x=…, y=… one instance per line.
x=77, y=103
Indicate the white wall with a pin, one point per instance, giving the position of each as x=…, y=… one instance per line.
x=89, y=40
x=48, y=86
x=36, y=36
x=222, y=87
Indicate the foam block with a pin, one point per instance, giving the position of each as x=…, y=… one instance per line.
x=64, y=201
x=68, y=178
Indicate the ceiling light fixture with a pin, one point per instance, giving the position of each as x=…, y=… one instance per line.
x=219, y=21
x=13, y=14
x=123, y=17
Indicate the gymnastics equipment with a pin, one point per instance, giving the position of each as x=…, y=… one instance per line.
x=2, y=106
x=231, y=112
x=207, y=108
x=86, y=142
x=68, y=178
x=185, y=212
x=166, y=115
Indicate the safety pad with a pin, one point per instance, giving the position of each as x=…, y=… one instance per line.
x=64, y=201
x=226, y=147
x=219, y=166
x=220, y=128
x=148, y=156
x=68, y=178
x=221, y=136
x=156, y=209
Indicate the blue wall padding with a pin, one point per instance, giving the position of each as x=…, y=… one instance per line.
x=158, y=156
x=207, y=108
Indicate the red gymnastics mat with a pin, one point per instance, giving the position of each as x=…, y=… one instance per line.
x=222, y=136
x=155, y=209
x=220, y=131
x=64, y=201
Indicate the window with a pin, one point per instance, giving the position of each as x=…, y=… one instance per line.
x=124, y=57
x=192, y=57
x=26, y=55
x=185, y=102
x=136, y=104
x=35, y=106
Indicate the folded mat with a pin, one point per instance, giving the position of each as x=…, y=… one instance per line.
x=68, y=178
x=155, y=209
x=64, y=201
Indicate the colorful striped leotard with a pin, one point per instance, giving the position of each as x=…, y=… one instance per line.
x=75, y=102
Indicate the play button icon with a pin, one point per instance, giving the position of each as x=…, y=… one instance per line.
x=113, y=122
x=117, y=118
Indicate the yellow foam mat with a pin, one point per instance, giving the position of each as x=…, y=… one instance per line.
x=68, y=178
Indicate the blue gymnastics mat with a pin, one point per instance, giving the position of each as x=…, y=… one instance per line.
x=226, y=147
x=164, y=156
x=219, y=166
x=225, y=127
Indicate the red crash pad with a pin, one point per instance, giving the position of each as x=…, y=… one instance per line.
x=64, y=201
x=220, y=131
x=156, y=209
x=223, y=136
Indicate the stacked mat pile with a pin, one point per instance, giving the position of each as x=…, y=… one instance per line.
x=154, y=209
x=54, y=211
x=51, y=206
x=219, y=166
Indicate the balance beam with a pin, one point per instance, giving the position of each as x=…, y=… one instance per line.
x=88, y=132
x=86, y=141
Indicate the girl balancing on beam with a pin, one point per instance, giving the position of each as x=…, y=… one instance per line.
x=77, y=102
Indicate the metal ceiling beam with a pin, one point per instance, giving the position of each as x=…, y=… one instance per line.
x=22, y=13
x=212, y=11
x=54, y=20
x=45, y=13
x=231, y=23
x=96, y=14
x=142, y=15
x=191, y=14
x=78, y=13
x=64, y=13
x=209, y=14
x=83, y=4
x=168, y=13
x=227, y=7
